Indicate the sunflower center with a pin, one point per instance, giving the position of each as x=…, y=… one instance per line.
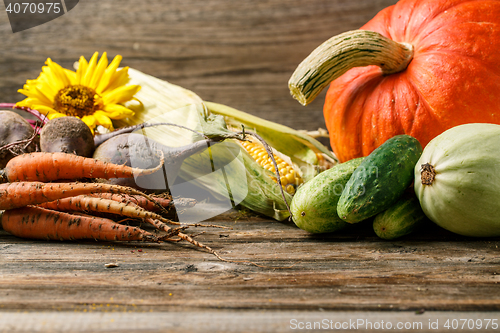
x=76, y=100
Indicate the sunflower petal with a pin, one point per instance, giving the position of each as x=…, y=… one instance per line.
x=121, y=94
x=50, y=88
x=103, y=119
x=49, y=77
x=43, y=91
x=87, y=76
x=99, y=71
x=82, y=69
x=58, y=72
x=71, y=76
x=37, y=94
x=90, y=121
x=116, y=111
x=109, y=74
x=119, y=78
x=45, y=110
x=27, y=102
x=55, y=115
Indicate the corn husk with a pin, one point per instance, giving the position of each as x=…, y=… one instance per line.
x=232, y=173
x=300, y=147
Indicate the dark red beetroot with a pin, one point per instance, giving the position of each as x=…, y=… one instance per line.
x=14, y=128
x=67, y=135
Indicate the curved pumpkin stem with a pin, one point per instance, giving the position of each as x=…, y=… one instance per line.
x=340, y=53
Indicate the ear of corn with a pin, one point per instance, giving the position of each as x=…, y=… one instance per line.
x=248, y=178
x=289, y=175
x=245, y=181
x=288, y=141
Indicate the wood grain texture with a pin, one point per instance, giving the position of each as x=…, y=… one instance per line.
x=238, y=53
x=242, y=321
x=352, y=270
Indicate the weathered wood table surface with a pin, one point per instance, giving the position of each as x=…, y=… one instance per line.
x=353, y=275
x=238, y=53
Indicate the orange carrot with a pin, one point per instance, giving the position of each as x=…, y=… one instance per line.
x=165, y=202
x=138, y=200
x=45, y=167
x=84, y=203
x=20, y=194
x=39, y=223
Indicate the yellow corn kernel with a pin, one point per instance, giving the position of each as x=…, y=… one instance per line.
x=290, y=189
x=289, y=178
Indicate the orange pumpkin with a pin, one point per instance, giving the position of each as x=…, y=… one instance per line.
x=448, y=74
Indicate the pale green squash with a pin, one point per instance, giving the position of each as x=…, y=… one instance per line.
x=457, y=180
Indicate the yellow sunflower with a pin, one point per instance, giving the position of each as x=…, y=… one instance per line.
x=94, y=93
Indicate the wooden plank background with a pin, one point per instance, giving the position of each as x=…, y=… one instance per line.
x=238, y=53
x=432, y=270
x=349, y=270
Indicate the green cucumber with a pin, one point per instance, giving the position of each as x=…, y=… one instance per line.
x=314, y=205
x=380, y=180
x=401, y=219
